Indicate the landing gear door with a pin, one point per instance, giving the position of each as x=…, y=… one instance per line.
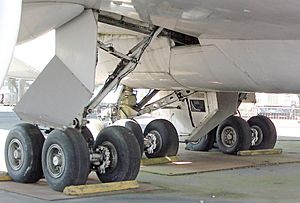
x=65, y=86
x=55, y=98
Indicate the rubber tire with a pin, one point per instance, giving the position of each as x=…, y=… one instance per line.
x=169, y=137
x=138, y=133
x=203, y=144
x=128, y=153
x=32, y=140
x=268, y=130
x=77, y=158
x=87, y=135
x=243, y=132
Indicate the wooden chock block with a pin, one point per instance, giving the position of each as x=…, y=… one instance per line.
x=100, y=188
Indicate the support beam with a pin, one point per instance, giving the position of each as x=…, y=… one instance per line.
x=221, y=106
x=126, y=66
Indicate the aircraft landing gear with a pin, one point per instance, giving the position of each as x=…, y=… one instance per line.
x=116, y=155
x=23, y=150
x=205, y=143
x=233, y=135
x=65, y=159
x=161, y=139
x=135, y=128
x=264, y=135
x=68, y=155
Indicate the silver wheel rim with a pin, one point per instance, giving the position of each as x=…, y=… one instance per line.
x=55, y=161
x=158, y=140
x=15, y=154
x=257, y=135
x=108, y=157
x=229, y=136
x=113, y=155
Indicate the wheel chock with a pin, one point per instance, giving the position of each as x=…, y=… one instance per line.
x=100, y=188
x=259, y=152
x=4, y=176
x=159, y=160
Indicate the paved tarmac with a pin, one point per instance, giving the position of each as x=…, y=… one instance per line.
x=276, y=183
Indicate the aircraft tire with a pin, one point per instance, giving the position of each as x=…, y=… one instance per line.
x=233, y=135
x=204, y=143
x=23, y=149
x=124, y=154
x=166, y=136
x=138, y=133
x=266, y=132
x=88, y=136
x=65, y=159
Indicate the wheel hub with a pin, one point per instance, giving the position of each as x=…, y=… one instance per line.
x=55, y=161
x=257, y=135
x=152, y=141
x=229, y=136
x=108, y=156
x=15, y=154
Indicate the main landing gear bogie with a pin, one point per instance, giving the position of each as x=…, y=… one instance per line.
x=160, y=137
x=235, y=134
x=65, y=159
x=66, y=156
x=264, y=135
x=23, y=150
x=120, y=153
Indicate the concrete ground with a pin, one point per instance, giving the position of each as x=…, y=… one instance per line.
x=268, y=183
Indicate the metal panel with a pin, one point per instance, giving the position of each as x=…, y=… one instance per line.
x=41, y=17
x=207, y=68
x=55, y=98
x=76, y=47
x=220, y=105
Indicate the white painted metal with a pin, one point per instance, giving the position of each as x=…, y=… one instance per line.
x=221, y=105
x=51, y=101
x=225, y=19
x=218, y=106
x=154, y=62
x=65, y=86
x=239, y=65
x=257, y=30
x=10, y=13
x=76, y=47
x=222, y=65
x=222, y=19
x=179, y=117
x=124, y=68
x=39, y=18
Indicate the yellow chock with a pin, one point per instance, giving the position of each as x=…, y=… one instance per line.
x=159, y=160
x=259, y=152
x=100, y=188
x=4, y=176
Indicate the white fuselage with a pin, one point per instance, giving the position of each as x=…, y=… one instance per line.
x=245, y=45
